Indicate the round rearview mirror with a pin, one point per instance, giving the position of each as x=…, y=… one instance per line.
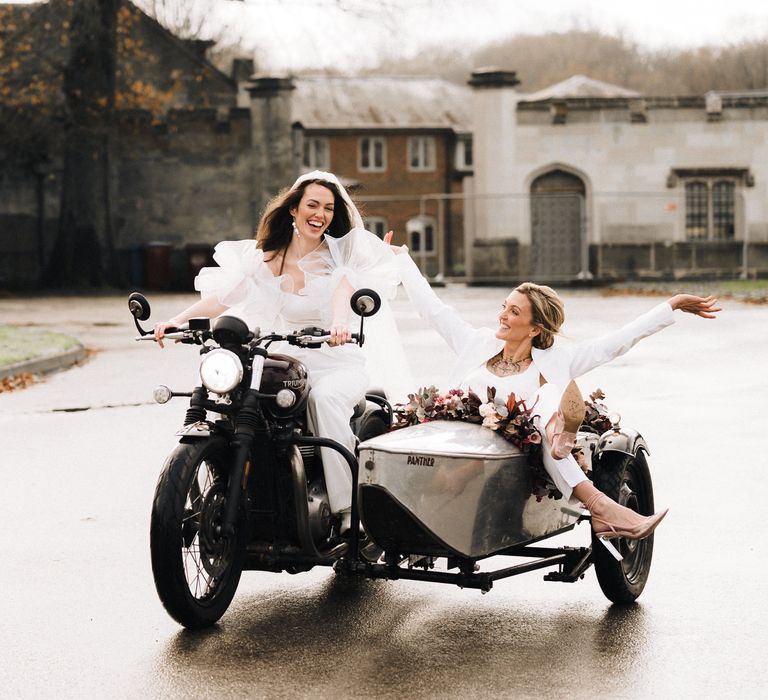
x=138, y=306
x=365, y=302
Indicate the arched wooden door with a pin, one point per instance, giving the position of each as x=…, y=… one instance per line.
x=558, y=243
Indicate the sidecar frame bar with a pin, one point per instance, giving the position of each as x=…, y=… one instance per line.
x=576, y=560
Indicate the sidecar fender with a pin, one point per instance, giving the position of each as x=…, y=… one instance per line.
x=623, y=440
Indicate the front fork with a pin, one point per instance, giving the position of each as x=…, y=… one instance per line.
x=249, y=418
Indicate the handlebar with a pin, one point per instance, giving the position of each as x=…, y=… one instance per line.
x=307, y=337
x=310, y=340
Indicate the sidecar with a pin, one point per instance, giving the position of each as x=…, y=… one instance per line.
x=452, y=489
x=441, y=496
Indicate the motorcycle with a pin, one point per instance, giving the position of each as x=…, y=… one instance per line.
x=245, y=490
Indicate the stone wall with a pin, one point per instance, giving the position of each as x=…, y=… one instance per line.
x=633, y=157
x=681, y=260
x=185, y=184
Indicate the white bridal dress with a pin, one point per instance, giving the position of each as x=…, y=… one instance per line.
x=339, y=376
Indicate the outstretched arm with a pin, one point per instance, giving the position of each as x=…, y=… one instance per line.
x=443, y=318
x=593, y=353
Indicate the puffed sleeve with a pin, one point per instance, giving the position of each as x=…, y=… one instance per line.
x=360, y=257
x=243, y=282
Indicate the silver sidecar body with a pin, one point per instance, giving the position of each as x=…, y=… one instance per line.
x=448, y=488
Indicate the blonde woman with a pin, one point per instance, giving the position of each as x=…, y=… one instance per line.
x=521, y=355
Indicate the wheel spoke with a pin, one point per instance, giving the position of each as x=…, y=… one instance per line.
x=202, y=500
x=196, y=570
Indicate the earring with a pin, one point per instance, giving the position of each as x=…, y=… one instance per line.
x=295, y=230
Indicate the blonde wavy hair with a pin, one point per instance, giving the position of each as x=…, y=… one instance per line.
x=547, y=312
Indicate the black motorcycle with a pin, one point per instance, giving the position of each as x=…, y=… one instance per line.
x=245, y=488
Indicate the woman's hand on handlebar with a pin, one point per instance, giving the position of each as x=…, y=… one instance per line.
x=396, y=249
x=340, y=334
x=160, y=329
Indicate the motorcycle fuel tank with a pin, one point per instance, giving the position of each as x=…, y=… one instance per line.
x=452, y=488
x=284, y=372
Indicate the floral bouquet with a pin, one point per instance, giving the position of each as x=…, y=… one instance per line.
x=596, y=417
x=512, y=421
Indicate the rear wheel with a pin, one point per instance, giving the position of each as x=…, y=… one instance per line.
x=627, y=480
x=196, y=570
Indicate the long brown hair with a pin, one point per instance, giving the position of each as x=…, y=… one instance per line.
x=275, y=228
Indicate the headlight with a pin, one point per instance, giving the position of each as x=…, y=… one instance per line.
x=221, y=371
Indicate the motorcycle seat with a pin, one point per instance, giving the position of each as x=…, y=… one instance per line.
x=362, y=403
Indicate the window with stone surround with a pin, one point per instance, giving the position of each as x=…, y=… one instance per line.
x=421, y=234
x=421, y=153
x=376, y=224
x=317, y=155
x=373, y=154
x=710, y=211
x=711, y=200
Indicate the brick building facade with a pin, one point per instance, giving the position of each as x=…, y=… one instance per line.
x=403, y=147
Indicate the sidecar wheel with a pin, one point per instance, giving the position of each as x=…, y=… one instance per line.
x=196, y=570
x=627, y=480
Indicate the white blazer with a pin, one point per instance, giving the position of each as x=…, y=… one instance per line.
x=557, y=364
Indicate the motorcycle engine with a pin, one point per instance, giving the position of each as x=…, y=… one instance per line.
x=319, y=512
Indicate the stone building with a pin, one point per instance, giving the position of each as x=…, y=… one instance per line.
x=178, y=141
x=196, y=153
x=586, y=180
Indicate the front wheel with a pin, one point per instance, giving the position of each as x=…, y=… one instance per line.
x=627, y=480
x=196, y=570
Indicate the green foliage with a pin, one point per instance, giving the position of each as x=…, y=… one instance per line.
x=19, y=344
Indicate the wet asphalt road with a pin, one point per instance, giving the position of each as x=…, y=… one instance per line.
x=79, y=458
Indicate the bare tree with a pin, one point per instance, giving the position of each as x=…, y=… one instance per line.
x=83, y=248
x=545, y=59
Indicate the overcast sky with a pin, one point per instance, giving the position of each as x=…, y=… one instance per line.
x=293, y=34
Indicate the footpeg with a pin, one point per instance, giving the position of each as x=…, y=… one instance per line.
x=615, y=553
